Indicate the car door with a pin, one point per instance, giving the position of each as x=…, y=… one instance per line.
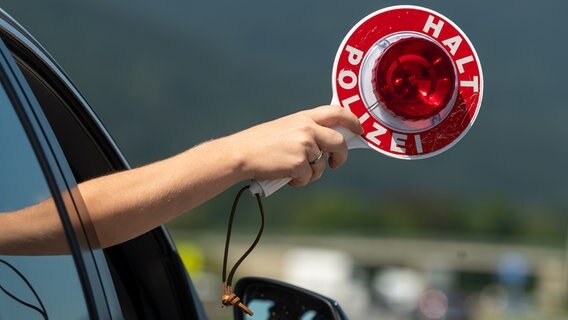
x=47, y=270
x=142, y=278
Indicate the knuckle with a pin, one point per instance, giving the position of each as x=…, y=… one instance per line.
x=338, y=139
x=304, y=142
x=297, y=165
x=306, y=127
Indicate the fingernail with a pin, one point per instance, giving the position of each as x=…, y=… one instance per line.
x=332, y=164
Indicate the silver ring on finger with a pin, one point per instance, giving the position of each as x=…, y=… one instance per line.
x=318, y=159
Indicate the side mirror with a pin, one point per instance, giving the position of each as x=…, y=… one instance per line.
x=275, y=300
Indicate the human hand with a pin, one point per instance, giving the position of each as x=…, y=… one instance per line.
x=283, y=148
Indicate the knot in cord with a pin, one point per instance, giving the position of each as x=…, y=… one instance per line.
x=229, y=298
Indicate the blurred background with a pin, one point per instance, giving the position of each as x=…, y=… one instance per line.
x=478, y=232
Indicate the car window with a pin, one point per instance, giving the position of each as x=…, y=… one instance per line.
x=123, y=269
x=31, y=286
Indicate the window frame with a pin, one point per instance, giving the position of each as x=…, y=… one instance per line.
x=154, y=249
x=57, y=176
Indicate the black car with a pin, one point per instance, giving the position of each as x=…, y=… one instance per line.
x=50, y=141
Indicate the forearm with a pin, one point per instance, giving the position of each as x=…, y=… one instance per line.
x=34, y=230
x=127, y=204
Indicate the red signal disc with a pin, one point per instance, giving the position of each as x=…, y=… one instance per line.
x=412, y=77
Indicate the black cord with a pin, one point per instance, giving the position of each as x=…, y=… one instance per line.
x=41, y=311
x=229, y=279
x=229, y=298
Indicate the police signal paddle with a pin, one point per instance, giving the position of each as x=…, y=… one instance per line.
x=413, y=79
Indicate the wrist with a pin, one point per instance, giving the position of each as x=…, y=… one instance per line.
x=233, y=155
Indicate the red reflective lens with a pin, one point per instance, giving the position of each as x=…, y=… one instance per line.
x=414, y=78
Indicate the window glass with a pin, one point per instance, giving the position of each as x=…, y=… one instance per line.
x=38, y=279
x=83, y=155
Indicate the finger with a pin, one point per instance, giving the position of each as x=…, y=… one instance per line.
x=329, y=140
x=333, y=142
x=336, y=159
x=330, y=116
x=302, y=175
x=319, y=168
